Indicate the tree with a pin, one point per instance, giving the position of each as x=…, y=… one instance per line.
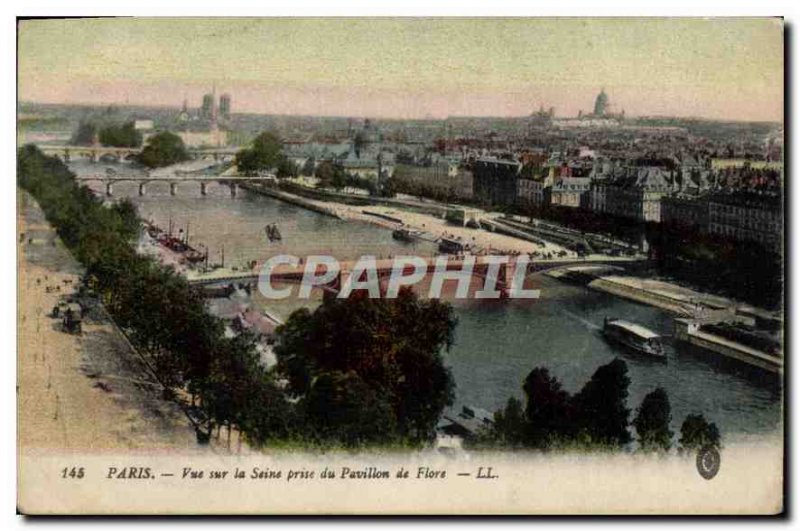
x=341, y=407
x=128, y=217
x=286, y=168
x=697, y=432
x=268, y=145
x=163, y=316
x=548, y=412
x=331, y=175
x=600, y=406
x=510, y=424
x=324, y=174
x=652, y=421
x=389, y=188
x=267, y=415
x=308, y=167
x=163, y=149
x=264, y=154
x=124, y=135
x=85, y=134
x=393, y=345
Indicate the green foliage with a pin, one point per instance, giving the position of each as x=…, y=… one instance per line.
x=510, y=424
x=366, y=371
x=594, y=419
x=745, y=271
x=85, y=134
x=601, y=413
x=341, y=407
x=164, y=317
x=264, y=155
x=652, y=421
x=389, y=188
x=128, y=217
x=549, y=412
x=443, y=193
x=308, y=167
x=392, y=345
x=124, y=135
x=330, y=175
x=163, y=149
x=287, y=168
x=697, y=432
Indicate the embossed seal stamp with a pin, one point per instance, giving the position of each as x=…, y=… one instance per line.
x=708, y=461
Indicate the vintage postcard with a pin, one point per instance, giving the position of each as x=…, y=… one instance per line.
x=400, y=266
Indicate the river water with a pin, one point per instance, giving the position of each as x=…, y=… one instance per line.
x=497, y=344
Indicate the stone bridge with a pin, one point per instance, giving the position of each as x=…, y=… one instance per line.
x=109, y=179
x=118, y=154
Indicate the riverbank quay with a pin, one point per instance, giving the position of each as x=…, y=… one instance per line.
x=79, y=392
x=430, y=208
x=681, y=301
x=689, y=332
x=314, y=206
x=428, y=219
x=691, y=309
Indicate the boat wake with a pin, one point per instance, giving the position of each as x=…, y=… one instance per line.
x=588, y=324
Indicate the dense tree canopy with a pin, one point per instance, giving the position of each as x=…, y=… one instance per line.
x=163, y=316
x=124, y=135
x=652, y=421
x=697, y=432
x=365, y=371
x=264, y=154
x=163, y=149
x=342, y=407
x=330, y=175
x=549, y=412
x=510, y=424
x=85, y=134
x=601, y=410
x=595, y=417
x=393, y=345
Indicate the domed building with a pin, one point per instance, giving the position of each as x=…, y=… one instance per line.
x=601, y=117
x=601, y=103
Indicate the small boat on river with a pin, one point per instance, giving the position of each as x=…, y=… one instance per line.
x=451, y=246
x=273, y=234
x=405, y=235
x=634, y=336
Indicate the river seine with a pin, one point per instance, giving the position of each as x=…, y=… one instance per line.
x=497, y=344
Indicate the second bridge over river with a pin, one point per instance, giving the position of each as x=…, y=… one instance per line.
x=232, y=181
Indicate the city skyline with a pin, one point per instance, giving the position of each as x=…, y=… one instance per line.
x=413, y=68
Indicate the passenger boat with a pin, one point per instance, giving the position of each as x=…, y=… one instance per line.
x=634, y=336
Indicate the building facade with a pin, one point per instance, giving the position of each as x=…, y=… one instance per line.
x=747, y=216
x=495, y=181
x=446, y=176
x=533, y=191
x=569, y=191
x=685, y=210
x=634, y=193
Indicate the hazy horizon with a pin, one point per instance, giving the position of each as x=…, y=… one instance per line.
x=383, y=118
x=421, y=68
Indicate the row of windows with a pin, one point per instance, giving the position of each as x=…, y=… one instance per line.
x=743, y=234
x=741, y=210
